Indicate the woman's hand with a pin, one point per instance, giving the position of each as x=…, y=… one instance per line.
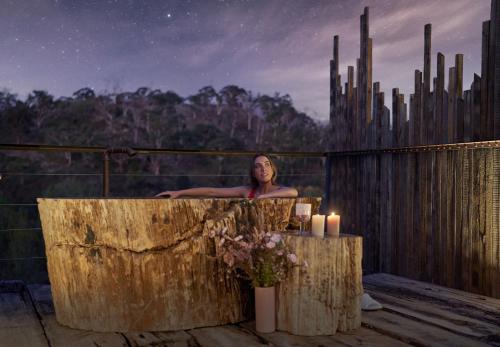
x=169, y=194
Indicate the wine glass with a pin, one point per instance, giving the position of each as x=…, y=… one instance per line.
x=303, y=213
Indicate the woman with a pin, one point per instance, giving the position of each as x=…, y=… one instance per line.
x=263, y=174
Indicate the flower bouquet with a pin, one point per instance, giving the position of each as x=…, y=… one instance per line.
x=262, y=257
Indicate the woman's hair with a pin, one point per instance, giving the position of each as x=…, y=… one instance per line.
x=253, y=181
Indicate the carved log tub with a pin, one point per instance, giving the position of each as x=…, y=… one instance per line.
x=147, y=264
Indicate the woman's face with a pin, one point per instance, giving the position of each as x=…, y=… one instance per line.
x=262, y=169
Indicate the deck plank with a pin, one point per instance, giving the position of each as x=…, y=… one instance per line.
x=435, y=315
x=19, y=325
x=475, y=306
x=61, y=336
x=420, y=312
x=359, y=337
x=433, y=290
x=226, y=336
x=414, y=332
x=170, y=339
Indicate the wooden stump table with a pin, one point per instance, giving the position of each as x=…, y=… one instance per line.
x=148, y=264
x=325, y=296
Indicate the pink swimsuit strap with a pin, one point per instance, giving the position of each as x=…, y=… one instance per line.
x=251, y=195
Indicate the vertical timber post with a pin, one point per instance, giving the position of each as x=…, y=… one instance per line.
x=494, y=58
x=327, y=203
x=452, y=126
x=427, y=121
x=334, y=100
x=459, y=114
x=481, y=130
x=105, y=174
x=441, y=120
x=351, y=120
x=365, y=77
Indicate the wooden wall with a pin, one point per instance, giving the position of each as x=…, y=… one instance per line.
x=430, y=215
x=442, y=227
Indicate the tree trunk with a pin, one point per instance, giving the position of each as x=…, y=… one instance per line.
x=325, y=296
x=148, y=264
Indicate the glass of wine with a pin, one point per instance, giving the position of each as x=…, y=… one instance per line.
x=303, y=213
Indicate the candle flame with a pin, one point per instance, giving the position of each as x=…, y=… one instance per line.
x=332, y=213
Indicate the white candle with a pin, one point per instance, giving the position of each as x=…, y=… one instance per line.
x=318, y=225
x=333, y=224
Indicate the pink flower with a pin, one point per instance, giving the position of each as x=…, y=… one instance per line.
x=280, y=253
x=292, y=257
x=270, y=245
x=276, y=238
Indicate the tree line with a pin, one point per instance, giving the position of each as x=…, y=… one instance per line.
x=229, y=119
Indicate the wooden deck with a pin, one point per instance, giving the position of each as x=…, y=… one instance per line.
x=415, y=313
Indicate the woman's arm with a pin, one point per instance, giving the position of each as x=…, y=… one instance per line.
x=234, y=192
x=281, y=192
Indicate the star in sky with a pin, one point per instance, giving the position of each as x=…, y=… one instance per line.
x=265, y=46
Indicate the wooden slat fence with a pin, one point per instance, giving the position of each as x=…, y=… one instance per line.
x=429, y=215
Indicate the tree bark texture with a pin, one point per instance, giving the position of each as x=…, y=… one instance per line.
x=325, y=296
x=149, y=264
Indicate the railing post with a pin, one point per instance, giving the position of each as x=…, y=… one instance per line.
x=106, y=158
x=328, y=182
x=105, y=174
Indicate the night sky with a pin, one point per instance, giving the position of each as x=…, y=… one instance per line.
x=263, y=46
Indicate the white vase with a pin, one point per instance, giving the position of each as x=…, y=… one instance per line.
x=265, y=309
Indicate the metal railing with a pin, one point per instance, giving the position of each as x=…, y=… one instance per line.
x=107, y=153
